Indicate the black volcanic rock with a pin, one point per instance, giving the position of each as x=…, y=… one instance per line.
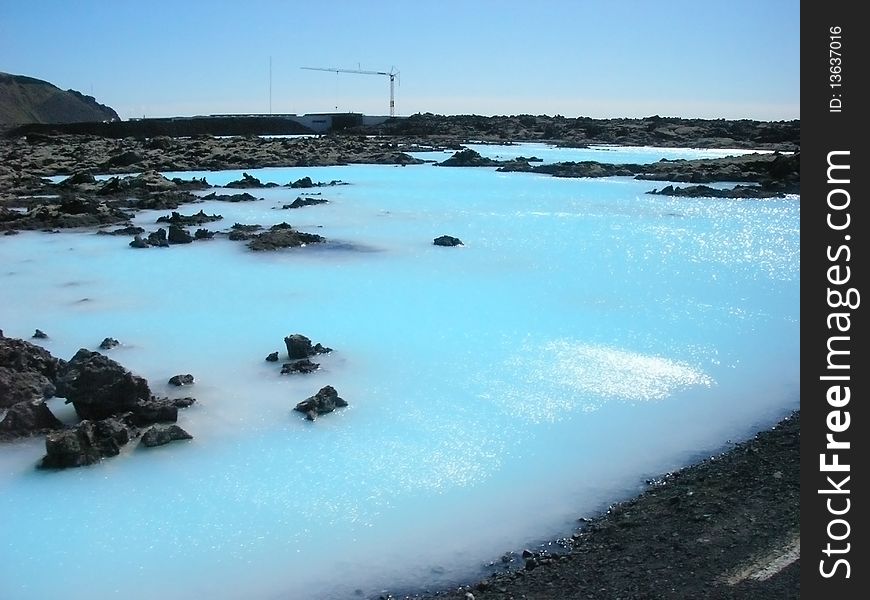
x=273, y=357
x=27, y=371
x=159, y=435
x=299, y=346
x=243, y=197
x=84, y=444
x=199, y=218
x=249, y=181
x=300, y=202
x=98, y=387
x=180, y=380
x=323, y=402
x=27, y=418
x=109, y=343
x=178, y=235
x=302, y=365
x=468, y=158
x=282, y=236
x=447, y=240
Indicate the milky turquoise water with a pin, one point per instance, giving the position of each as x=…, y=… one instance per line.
x=586, y=337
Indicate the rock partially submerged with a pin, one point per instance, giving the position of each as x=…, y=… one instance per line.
x=28, y=418
x=199, y=218
x=303, y=365
x=300, y=346
x=447, y=240
x=469, y=158
x=159, y=435
x=180, y=380
x=98, y=387
x=249, y=181
x=27, y=371
x=323, y=402
x=85, y=444
x=299, y=202
x=109, y=343
x=282, y=236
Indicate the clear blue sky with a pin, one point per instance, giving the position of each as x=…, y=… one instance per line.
x=598, y=58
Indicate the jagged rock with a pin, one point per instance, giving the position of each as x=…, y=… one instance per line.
x=243, y=197
x=303, y=365
x=17, y=386
x=153, y=410
x=128, y=230
x=99, y=387
x=199, y=218
x=304, y=182
x=300, y=202
x=125, y=159
x=39, y=334
x=203, y=234
x=177, y=235
x=158, y=435
x=447, y=240
x=324, y=401
x=180, y=380
x=109, y=343
x=158, y=238
x=27, y=418
x=273, y=357
x=299, y=346
x=27, y=371
x=138, y=242
x=76, y=179
x=84, y=444
x=249, y=181
x=282, y=236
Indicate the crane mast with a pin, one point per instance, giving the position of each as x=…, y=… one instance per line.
x=392, y=74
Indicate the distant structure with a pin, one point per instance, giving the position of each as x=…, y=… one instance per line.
x=392, y=74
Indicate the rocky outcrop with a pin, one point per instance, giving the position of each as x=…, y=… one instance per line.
x=178, y=235
x=98, y=387
x=67, y=213
x=272, y=357
x=324, y=401
x=243, y=197
x=84, y=444
x=39, y=334
x=447, y=240
x=705, y=191
x=300, y=202
x=302, y=366
x=27, y=371
x=160, y=435
x=282, y=236
x=469, y=158
x=300, y=346
x=199, y=218
x=249, y=181
x=28, y=418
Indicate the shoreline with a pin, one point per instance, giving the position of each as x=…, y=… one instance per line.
x=726, y=527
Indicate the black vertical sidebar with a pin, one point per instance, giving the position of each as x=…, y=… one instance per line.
x=834, y=339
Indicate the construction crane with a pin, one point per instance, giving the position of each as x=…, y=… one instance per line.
x=392, y=74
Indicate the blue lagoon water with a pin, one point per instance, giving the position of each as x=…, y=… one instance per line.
x=585, y=338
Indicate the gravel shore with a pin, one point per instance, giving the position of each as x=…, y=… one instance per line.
x=725, y=528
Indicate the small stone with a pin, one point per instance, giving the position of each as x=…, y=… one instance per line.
x=180, y=380
x=109, y=343
x=447, y=240
x=39, y=334
x=299, y=366
x=272, y=357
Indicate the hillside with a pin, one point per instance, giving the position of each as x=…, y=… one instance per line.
x=28, y=100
